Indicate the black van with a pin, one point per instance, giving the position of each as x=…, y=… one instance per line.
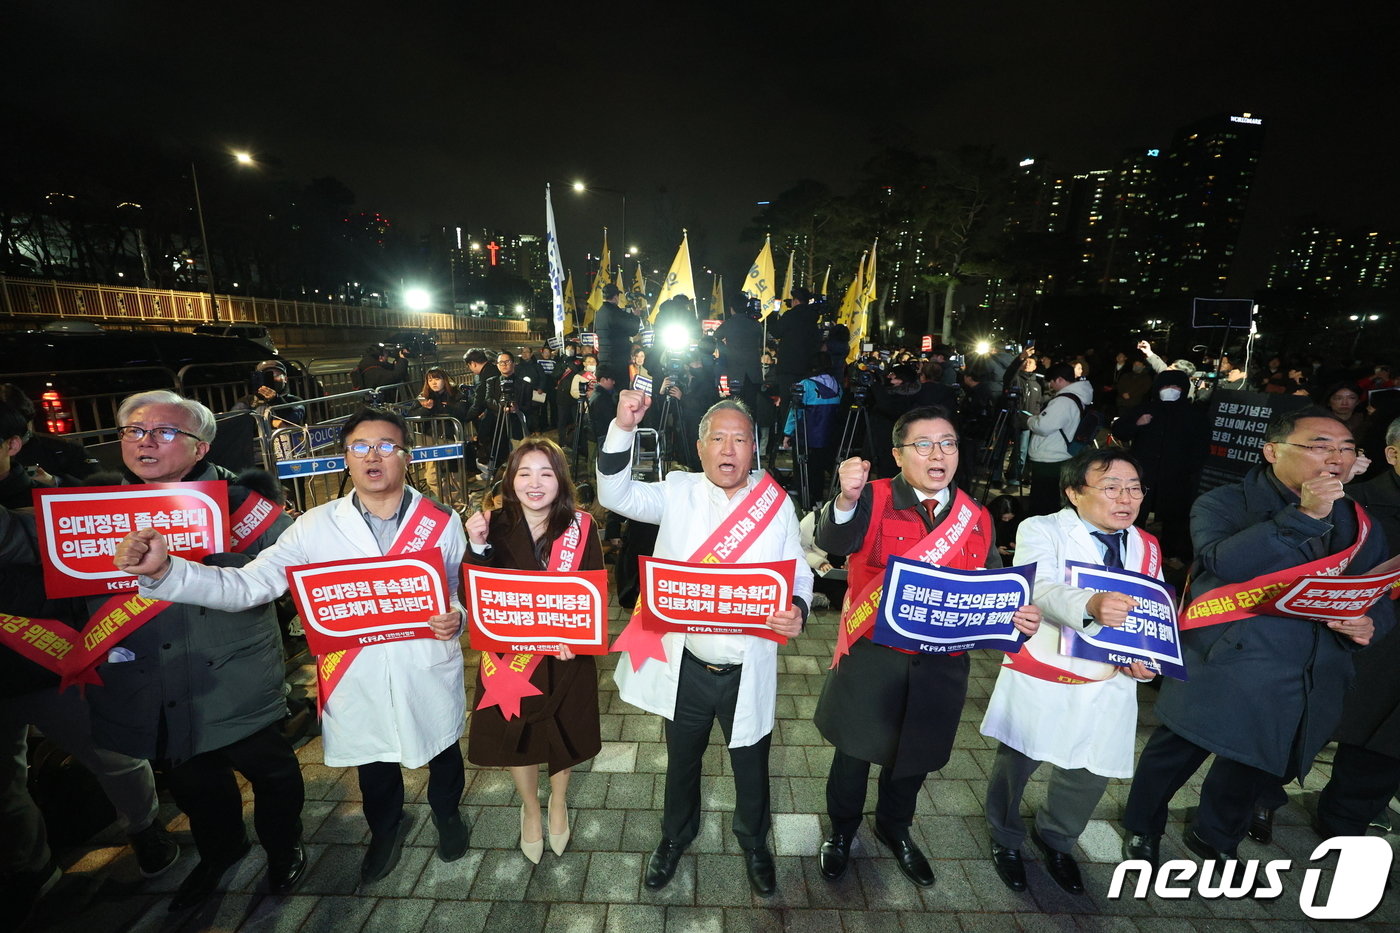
x=77, y=379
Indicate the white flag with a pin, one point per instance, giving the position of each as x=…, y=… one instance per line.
x=556, y=267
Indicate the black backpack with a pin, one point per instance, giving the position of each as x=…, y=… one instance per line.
x=1086, y=433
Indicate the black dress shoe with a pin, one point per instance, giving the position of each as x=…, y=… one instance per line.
x=203, y=880
x=283, y=875
x=661, y=867
x=1261, y=825
x=1204, y=849
x=1009, y=866
x=1063, y=869
x=1144, y=848
x=907, y=855
x=835, y=856
x=762, y=876
x=454, y=837
x=384, y=851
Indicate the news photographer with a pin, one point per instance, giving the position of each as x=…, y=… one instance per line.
x=269, y=384
x=507, y=399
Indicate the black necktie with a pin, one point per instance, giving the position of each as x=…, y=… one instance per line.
x=1112, y=541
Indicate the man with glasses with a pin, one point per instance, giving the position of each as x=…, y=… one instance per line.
x=1076, y=714
x=202, y=691
x=882, y=705
x=399, y=704
x=1266, y=690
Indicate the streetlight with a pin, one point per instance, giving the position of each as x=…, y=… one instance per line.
x=417, y=299
x=243, y=158
x=581, y=187
x=1361, y=322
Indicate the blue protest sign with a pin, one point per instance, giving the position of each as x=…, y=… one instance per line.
x=939, y=610
x=1150, y=634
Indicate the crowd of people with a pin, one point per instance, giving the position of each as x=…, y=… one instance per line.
x=1096, y=465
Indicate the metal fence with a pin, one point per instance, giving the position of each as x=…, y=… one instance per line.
x=44, y=299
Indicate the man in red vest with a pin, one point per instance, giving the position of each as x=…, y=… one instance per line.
x=882, y=705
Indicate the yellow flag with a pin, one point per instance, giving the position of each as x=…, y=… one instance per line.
x=570, y=305
x=846, y=313
x=761, y=283
x=638, y=298
x=678, y=281
x=787, y=279
x=826, y=281
x=595, y=296
x=717, y=298
x=620, y=287
x=864, y=303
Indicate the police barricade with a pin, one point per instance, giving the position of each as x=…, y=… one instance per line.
x=311, y=460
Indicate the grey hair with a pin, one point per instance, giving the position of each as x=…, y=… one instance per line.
x=1392, y=434
x=199, y=419
x=728, y=404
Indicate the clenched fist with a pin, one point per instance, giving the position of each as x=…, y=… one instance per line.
x=852, y=474
x=478, y=527
x=1318, y=494
x=1110, y=609
x=143, y=553
x=631, y=408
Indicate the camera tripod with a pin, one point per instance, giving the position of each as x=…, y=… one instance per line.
x=991, y=456
x=854, y=433
x=581, y=424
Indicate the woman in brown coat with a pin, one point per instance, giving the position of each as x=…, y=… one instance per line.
x=558, y=728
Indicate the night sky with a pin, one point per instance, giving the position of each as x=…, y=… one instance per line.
x=445, y=113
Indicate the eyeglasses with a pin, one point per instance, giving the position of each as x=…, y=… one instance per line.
x=925, y=447
x=361, y=449
x=132, y=432
x=1113, y=491
x=1327, y=449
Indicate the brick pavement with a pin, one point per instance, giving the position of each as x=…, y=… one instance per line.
x=616, y=800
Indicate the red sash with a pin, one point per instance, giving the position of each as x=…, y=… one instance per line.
x=728, y=543
x=505, y=681
x=121, y=615
x=959, y=541
x=423, y=528
x=1234, y=600
x=253, y=518
x=1026, y=663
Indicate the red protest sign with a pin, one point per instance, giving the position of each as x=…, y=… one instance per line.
x=1330, y=598
x=536, y=610
x=714, y=599
x=370, y=601
x=709, y=326
x=926, y=343
x=79, y=529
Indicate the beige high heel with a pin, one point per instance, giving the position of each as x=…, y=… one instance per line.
x=533, y=851
x=559, y=841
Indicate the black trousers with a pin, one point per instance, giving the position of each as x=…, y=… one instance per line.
x=1044, y=497
x=701, y=698
x=381, y=786
x=1228, y=795
x=845, y=796
x=1363, y=781
x=206, y=790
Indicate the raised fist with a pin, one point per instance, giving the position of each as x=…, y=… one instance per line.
x=631, y=408
x=852, y=474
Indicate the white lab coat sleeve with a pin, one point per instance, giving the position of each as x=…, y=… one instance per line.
x=1039, y=540
x=232, y=589
x=619, y=493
